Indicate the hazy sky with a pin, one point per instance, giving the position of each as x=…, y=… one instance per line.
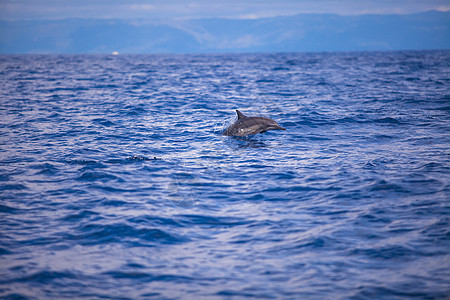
x=168, y=9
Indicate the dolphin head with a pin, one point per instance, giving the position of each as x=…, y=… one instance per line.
x=269, y=124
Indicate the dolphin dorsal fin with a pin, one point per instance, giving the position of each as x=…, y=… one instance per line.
x=240, y=115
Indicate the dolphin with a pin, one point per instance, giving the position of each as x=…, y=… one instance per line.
x=251, y=125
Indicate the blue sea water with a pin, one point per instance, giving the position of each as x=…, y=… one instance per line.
x=116, y=183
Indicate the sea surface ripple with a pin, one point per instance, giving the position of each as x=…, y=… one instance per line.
x=116, y=183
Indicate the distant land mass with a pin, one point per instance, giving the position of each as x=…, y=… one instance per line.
x=299, y=33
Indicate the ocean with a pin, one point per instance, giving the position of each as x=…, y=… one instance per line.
x=117, y=183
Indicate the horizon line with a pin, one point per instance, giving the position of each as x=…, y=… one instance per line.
x=166, y=19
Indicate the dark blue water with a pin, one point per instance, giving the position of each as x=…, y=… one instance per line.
x=116, y=183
